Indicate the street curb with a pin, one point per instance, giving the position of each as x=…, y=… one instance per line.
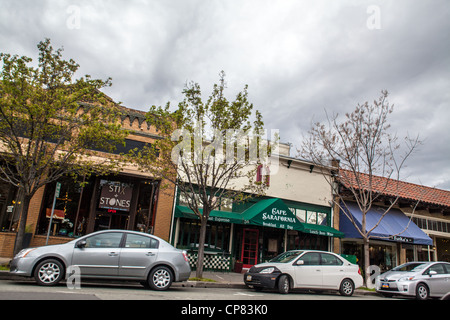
x=5, y=275
x=207, y=284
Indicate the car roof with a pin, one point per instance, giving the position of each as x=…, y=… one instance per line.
x=311, y=250
x=124, y=231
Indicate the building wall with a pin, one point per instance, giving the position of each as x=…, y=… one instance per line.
x=140, y=131
x=164, y=212
x=300, y=182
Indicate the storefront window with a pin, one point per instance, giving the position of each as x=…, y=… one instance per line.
x=146, y=207
x=185, y=198
x=71, y=210
x=119, y=202
x=226, y=204
x=310, y=216
x=300, y=214
x=9, y=213
x=216, y=240
x=443, y=246
x=381, y=255
x=299, y=240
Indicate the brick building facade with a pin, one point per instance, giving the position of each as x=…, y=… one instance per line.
x=80, y=210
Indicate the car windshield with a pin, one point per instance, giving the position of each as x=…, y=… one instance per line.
x=407, y=267
x=287, y=256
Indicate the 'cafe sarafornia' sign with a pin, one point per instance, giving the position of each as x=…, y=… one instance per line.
x=115, y=195
x=278, y=218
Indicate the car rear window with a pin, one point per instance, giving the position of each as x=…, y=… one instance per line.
x=138, y=241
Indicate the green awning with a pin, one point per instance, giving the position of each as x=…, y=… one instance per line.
x=215, y=215
x=321, y=230
x=276, y=214
x=273, y=213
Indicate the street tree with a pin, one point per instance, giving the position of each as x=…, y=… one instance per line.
x=210, y=150
x=52, y=124
x=364, y=157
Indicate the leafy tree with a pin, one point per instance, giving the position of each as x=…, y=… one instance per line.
x=209, y=150
x=51, y=124
x=369, y=159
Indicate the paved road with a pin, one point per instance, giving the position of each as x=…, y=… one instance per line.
x=28, y=290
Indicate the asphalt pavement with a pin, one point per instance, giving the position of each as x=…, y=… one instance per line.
x=220, y=280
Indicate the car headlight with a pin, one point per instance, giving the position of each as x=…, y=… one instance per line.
x=405, y=279
x=24, y=252
x=269, y=270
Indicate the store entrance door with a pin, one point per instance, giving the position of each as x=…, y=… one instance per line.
x=104, y=221
x=249, y=253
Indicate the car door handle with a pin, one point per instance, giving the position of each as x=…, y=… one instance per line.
x=149, y=254
x=113, y=254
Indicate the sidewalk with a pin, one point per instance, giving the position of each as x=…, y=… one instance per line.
x=221, y=280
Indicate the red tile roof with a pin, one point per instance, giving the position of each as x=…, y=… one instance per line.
x=392, y=187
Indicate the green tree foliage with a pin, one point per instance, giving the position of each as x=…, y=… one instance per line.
x=51, y=123
x=205, y=149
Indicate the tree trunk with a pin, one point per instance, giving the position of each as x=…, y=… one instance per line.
x=201, y=247
x=366, y=255
x=23, y=222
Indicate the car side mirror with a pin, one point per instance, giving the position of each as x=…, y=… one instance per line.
x=300, y=262
x=81, y=244
x=432, y=273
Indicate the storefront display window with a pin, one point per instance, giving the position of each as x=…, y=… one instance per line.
x=310, y=216
x=217, y=236
x=443, y=245
x=380, y=254
x=298, y=240
x=99, y=203
x=9, y=206
x=71, y=210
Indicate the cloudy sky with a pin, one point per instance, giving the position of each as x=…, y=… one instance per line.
x=298, y=57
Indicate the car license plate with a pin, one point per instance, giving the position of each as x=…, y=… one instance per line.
x=249, y=277
x=385, y=285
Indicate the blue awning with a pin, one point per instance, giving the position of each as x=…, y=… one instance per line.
x=390, y=228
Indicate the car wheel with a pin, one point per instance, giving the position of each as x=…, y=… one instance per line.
x=422, y=292
x=160, y=278
x=49, y=272
x=283, y=284
x=347, y=288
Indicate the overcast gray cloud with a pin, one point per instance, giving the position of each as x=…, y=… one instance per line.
x=298, y=57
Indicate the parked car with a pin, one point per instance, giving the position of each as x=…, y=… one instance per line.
x=108, y=254
x=307, y=269
x=420, y=279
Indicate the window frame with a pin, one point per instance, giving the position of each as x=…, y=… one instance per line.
x=153, y=244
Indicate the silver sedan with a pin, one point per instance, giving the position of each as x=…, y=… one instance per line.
x=420, y=279
x=109, y=254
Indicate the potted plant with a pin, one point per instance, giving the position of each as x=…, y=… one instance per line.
x=238, y=266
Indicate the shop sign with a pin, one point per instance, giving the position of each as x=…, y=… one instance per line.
x=401, y=239
x=116, y=195
x=278, y=218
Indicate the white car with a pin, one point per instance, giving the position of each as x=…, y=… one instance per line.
x=306, y=269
